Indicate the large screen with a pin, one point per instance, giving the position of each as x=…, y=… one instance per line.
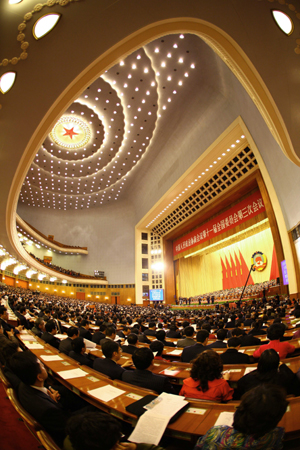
x=156, y=295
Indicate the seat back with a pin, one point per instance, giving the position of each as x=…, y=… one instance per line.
x=47, y=441
x=28, y=419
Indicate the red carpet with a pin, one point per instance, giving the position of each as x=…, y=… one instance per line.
x=14, y=434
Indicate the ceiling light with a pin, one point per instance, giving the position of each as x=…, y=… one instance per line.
x=7, y=81
x=14, y=2
x=283, y=21
x=45, y=24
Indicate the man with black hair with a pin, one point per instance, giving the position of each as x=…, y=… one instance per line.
x=39, y=327
x=191, y=352
x=151, y=330
x=142, y=376
x=110, y=334
x=275, y=333
x=232, y=354
x=42, y=403
x=160, y=336
x=84, y=330
x=99, y=335
x=65, y=346
x=108, y=365
x=48, y=336
x=246, y=339
x=6, y=326
x=188, y=340
x=132, y=344
x=78, y=352
x=219, y=343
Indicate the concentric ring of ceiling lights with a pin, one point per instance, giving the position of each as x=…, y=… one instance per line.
x=71, y=133
x=123, y=109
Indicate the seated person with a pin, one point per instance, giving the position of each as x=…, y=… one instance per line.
x=108, y=365
x=232, y=354
x=84, y=330
x=275, y=332
x=219, y=343
x=142, y=376
x=160, y=336
x=206, y=381
x=7, y=351
x=39, y=327
x=254, y=423
x=191, y=352
x=174, y=332
x=256, y=328
x=110, y=334
x=42, y=403
x=246, y=339
x=157, y=347
x=188, y=340
x=99, y=335
x=151, y=330
x=132, y=344
x=65, y=346
x=98, y=431
x=141, y=336
x=4, y=322
x=78, y=352
x=269, y=371
x=48, y=336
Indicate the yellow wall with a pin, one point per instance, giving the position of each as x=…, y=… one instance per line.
x=202, y=274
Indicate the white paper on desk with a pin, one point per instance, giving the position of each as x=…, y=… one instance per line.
x=89, y=344
x=175, y=352
x=225, y=418
x=93, y=349
x=242, y=351
x=32, y=346
x=61, y=336
x=168, y=404
x=73, y=373
x=28, y=337
x=249, y=369
x=50, y=357
x=66, y=325
x=149, y=428
x=106, y=393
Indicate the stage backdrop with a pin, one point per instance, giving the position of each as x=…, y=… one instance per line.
x=228, y=267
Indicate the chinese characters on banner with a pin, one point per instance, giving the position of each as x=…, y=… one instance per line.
x=243, y=211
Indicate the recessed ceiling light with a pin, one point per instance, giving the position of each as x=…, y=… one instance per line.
x=45, y=24
x=7, y=81
x=14, y=2
x=283, y=21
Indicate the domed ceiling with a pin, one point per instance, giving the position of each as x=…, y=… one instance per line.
x=86, y=159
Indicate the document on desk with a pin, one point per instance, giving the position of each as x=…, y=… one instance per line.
x=28, y=337
x=61, y=336
x=51, y=357
x=225, y=418
x=175, y=352
x=152, y=424
x=249, y=369
x=73, y=373
x=33, y=346
x=89, y=344
x=106, y=393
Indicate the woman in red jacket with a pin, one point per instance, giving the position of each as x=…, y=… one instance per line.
x=206, y=381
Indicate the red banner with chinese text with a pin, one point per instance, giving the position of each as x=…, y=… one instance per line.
x=240, y=213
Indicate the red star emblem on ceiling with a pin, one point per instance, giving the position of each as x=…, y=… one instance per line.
x=70, y=132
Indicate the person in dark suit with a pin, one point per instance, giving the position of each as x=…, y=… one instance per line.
x=65, y=346
x=110, y=335
x=151, y=329
x=78, y=352
x=108, y=365
x=247, y=339
x=141, y=336
x=188, y=340
x=142, y=376
x=39, y=327
x=48, y=336
x=160, y=336
x=191, y=352
x=132, y=344
x=219, y=343
x=174, y=332
x=99, y=335
x=21, y=316
x=6, y=326
x=42, y=403
x=84, y=330
x=232, y=354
